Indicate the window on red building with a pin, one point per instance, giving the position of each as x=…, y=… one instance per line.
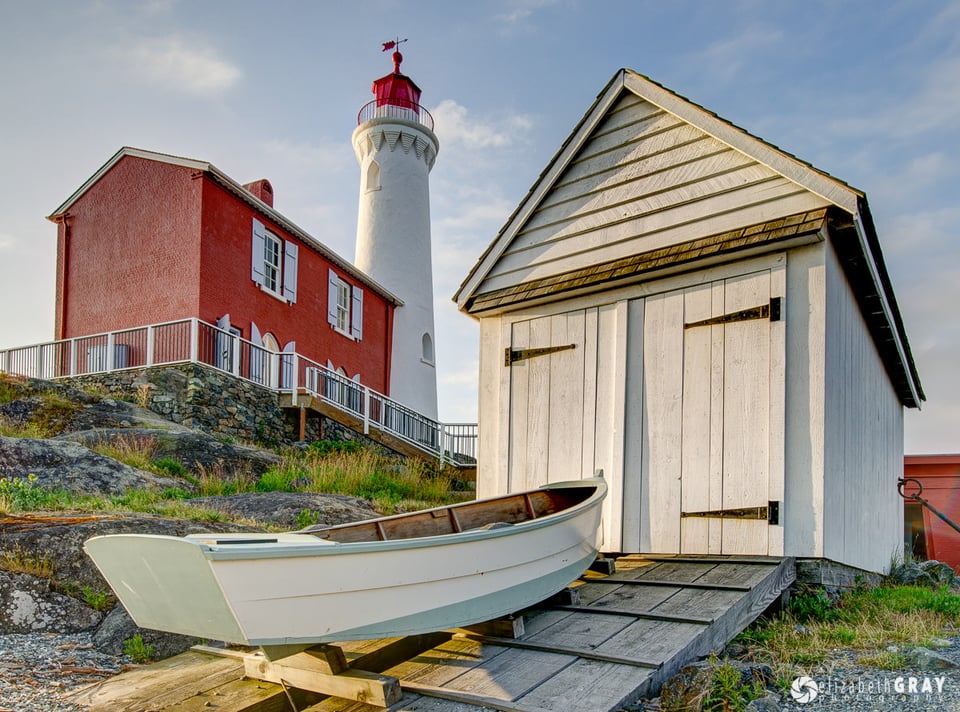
x=345, y=307
x=274, y=263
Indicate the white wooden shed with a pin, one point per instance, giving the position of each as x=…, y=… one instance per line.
x=708, y=320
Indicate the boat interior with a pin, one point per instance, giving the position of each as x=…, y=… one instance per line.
x=484, y=514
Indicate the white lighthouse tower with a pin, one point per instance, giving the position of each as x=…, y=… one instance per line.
x=396, y=148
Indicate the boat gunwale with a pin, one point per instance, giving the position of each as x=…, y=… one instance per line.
x=315, y=546
x=327, y=547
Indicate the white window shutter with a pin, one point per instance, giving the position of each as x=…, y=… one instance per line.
x=356, y=314
x=332, y=283
x=256, y=252
x=290, y=271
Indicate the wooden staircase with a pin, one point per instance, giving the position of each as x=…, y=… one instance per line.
x=306, y=406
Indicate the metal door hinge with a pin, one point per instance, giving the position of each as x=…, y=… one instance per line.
x=512, y=355
x=769, y=311
x=771, y=513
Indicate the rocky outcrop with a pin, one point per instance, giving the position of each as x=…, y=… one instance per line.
x=196, y=451
x=117, y=628
x=290, y=509
x=59, y=538
x=56, y=408
x=50, y=544
x=28, y=605
x=58, y=464
x=931, y=574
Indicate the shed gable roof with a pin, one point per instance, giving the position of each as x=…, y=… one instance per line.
x=646, y=170
x=238, y=191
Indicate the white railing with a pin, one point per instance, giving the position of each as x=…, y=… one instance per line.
x=196, y=341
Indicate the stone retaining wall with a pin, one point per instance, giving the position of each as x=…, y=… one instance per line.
x=217, y=403
x=203, y=398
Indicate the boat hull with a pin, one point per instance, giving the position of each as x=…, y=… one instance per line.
x=293, y=589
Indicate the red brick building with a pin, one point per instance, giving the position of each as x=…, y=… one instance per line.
x=152, y=238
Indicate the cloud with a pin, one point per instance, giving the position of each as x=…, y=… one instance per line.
x=307, y=157
x=477, y=211
x=519, y=10
x=934, y=106
x=906, y=185
x=726, y=59
x=158, y=7
x=924, y=235
x=458, y=128
x=7, y=242
x=174, y=63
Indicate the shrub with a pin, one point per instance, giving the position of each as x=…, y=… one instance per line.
x=306, y=518
x=22, y=495
x=101, y=601
x=729, y=692
x=140, y=651
x=168, y=466
x=814, y=606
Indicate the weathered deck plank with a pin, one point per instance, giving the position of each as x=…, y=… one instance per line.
x=597, y=656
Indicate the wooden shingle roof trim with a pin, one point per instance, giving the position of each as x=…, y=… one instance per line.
x=239, y=191
x=690, y=254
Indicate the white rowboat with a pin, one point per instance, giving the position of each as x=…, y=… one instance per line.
x=401, y=575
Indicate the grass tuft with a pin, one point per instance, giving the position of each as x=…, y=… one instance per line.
x=866, y=620
x=728, y=691
x=141, y=651
x=18, y=561
x=392, y=486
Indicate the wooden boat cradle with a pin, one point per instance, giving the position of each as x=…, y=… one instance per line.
x=598, y=646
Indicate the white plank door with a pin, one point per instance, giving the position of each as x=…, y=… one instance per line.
x=713, y=369
x=566, y=392
x=546, y=374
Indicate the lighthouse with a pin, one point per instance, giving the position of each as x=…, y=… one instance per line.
x=396, y=148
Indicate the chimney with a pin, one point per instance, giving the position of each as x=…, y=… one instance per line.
x=261, y=189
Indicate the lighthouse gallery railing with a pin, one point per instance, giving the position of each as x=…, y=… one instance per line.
x=196, y=341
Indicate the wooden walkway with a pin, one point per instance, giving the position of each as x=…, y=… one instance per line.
x=612, y=641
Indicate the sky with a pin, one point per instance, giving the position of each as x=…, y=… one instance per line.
x=866, y=91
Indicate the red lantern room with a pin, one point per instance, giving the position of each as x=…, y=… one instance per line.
x=397, y=89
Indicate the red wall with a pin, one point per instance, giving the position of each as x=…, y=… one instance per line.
x=130, y=252
x=152, y=242
x=226, y=287
x=940, y=477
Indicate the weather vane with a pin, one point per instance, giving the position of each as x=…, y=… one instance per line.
x=392, y=44
x=397, y=57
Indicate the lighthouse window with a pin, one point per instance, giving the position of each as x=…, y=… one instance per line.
x=373, y=176
x=427, y=348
